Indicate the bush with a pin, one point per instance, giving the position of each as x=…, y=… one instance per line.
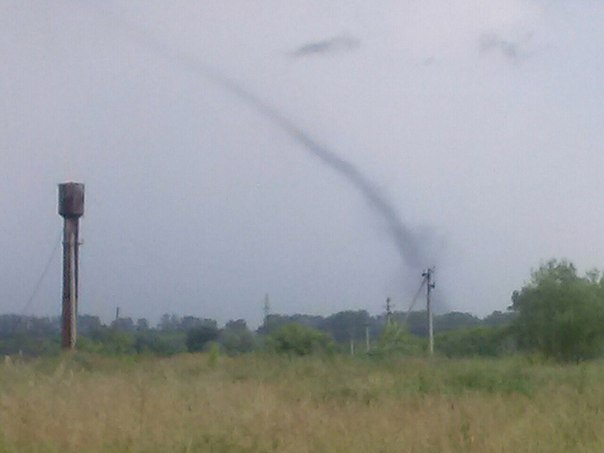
x=237, y=341
x=160, y=343
x=396, y=339
x=298, y=339
x=477, y=341
x=107, y=341
x=198, y=337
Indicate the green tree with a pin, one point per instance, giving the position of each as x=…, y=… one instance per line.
x=346, y=325
x=498, y=318
x=236, y=338
x=298, y=339
x=158, y=342
x=198, y=337
x=474, y=341
x=560, y=314
x=108, y=341
x=396, y=338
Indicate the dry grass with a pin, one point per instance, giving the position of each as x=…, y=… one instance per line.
x=259, y=403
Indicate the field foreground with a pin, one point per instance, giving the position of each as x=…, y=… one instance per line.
x=265, y=403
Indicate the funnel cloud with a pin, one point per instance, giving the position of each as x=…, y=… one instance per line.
x=402, y=236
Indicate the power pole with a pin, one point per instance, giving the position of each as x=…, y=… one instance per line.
x=429, y=287
x=388, y=311
x=71, y=208
x=266, y=310
x=367, y=341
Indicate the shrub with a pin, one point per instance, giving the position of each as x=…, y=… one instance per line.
x=199, y=336
x=477, y=341
x=396, y=339
x=298, y=339
x=237, y=341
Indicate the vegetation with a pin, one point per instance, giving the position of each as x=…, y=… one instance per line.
x=561, y=314
x=298, y=339
x=558, y=314
x=476, y=341
x=261, y=402
x=396, y=339
x=508, y=382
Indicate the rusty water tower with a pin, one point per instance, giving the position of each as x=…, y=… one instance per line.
x=71, y=208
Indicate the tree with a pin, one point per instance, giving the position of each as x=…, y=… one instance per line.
x=198, y=337
x=298, y=339
x=88, y=324
x=498, y=318
x=559, y=313
x=474, y=341
x=189, y=322
x=108, y=341
x=396, y=339
x=168, y=322
x=275, y=321
x=346, y=325
x=142, y=324
x=454, y=320
x=236, y=338
x=151, y=341
x=124, y=324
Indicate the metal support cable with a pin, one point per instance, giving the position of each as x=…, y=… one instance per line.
x=38, y=285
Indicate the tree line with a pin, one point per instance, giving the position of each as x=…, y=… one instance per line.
x=174, y=334
x=557, y=313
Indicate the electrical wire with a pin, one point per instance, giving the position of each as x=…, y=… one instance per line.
x=38, y=285
x=414, y=301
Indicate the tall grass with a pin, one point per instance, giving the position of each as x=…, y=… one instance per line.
x=266, y=403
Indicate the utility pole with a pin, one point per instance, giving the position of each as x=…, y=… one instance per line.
x=367, y=341
x=266, y=310
x=429, y=287
x=71, y=208
x=388, y=311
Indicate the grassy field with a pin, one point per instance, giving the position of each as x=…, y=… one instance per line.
x=266, y=403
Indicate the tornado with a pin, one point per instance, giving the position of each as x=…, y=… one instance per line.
x=402, y=236
x=406, y=244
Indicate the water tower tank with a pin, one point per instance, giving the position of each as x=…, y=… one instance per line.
x=71, y=200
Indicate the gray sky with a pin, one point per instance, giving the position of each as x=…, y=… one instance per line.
x=480, y=122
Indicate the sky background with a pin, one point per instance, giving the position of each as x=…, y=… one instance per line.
x=481, y=122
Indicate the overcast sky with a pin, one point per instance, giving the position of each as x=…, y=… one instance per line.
x=479, y=122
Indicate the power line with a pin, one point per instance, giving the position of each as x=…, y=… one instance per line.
x=415, y=298
x=38, y=285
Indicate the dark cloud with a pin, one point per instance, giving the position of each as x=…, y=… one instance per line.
x=493, y=42
x=337, y=44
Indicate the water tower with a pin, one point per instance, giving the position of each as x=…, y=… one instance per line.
x=71, y=208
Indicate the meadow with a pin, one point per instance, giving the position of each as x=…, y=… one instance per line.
x=260, y=402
